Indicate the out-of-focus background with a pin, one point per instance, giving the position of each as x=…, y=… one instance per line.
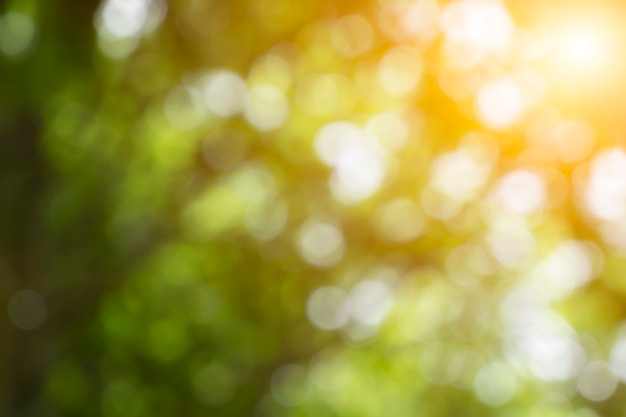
x=312, y=208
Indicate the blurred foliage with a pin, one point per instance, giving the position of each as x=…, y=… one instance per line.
x=312, y=208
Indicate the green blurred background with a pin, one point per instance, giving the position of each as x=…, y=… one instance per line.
x=312, y=208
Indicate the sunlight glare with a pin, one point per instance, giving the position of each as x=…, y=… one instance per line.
x=584, y=49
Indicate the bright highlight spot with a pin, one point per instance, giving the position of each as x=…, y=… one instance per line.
x=321, y=244
x=614, y=233
x=569, y=266
x=123, y=19
x=540, y=339
x=357, y=158
x=359, y=312
x=584, y=49
x=325, y=308
x=400, y=71
x=581, y=48
x=617, y=358
x=16, y=32
x=495, y=384
x=358, y=175
x=370, y=302
x=480, y=26
x=521, y=192
x=596, y=381
x=420, y=18
x=511, y=244
x=266, y=107
x=606, y=192
x=459, y=175
x=334, y=139
x=224, y=93
x=500, y=103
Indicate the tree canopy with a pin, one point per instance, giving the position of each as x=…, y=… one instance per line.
x=312, y=208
